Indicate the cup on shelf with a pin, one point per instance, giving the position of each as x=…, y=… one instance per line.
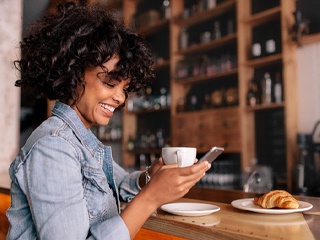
x=183, y=156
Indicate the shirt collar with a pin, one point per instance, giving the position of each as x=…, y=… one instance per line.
x=67, y=114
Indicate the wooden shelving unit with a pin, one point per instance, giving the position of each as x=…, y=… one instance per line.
x=286, y=60
x=133, y=120
x=240, y=137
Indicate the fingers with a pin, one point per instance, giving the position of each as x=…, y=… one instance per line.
x=201, y=167
x=160, y=161
x=175, y=182
x=187, y=171
x=194, y=173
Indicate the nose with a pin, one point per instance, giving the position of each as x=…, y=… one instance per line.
x=119, y=95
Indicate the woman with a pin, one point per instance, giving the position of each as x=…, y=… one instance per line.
x=65, y=184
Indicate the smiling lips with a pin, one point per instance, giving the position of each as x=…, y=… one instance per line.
x=107, y=107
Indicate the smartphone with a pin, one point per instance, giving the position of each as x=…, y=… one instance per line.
x=212, y=154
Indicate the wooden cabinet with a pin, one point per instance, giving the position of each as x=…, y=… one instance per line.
x=206, y=129
x=209, y=63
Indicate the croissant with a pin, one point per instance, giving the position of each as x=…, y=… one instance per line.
x=277, y=199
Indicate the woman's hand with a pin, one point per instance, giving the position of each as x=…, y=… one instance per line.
x=169, y=182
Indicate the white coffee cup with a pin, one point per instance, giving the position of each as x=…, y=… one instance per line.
x=183, y=156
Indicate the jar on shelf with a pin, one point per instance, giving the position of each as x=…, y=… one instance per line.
x=217, y=98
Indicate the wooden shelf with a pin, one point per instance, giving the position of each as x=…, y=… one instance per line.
x=146, y=111
x=152, y=28
x=264, y=17
x=214, y=44
x=205, y=78
x=219, y=10
x=162, y=64
x=265, y=106
x=309, y=39
x=265, y=61
x=210, y=111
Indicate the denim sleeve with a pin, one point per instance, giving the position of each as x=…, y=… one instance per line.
x=113, y=229
x=128, y=183
x=53, y=184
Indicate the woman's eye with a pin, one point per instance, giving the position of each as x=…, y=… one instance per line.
x=126, y=90
x=109, y=84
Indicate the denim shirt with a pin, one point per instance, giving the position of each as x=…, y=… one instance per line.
x=65, y=184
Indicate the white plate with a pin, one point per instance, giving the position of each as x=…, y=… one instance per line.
x=190, y=209
x=247, y=204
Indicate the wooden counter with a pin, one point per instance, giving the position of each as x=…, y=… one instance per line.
x=232, y=223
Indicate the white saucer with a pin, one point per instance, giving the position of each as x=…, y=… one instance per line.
x=248, y=205
x=190, y=209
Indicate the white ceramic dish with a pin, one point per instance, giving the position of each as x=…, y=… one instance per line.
x=248, y=205
x=190, y=209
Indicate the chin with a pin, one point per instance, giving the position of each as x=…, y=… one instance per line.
x=103, y=123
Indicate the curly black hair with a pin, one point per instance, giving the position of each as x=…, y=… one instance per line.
x=64, y=43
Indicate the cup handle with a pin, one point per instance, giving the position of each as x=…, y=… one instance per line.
x=179, y=157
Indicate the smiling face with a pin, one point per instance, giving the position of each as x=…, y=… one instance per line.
x=101, y=96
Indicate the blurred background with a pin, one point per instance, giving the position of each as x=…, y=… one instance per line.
x=241, y=74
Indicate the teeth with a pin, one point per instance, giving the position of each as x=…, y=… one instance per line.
x=109, y=108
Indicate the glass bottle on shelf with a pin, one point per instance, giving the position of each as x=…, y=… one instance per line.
x=252, y=94
x=166, y=9
x=270, y=46
x=205, y=37
x=216, y=30
x=160, y=139
x=304, y=171
x=194, y=102
x=183, y=39
x=207, y=101
x=266, y=89
x=142, y=161
x=130, y=144
x=211, y=4
x=270, y=43
x=256, y=49
x=163, y=97
x=230, y=26
x=277, y=88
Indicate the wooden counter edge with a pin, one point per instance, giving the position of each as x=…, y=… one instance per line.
x=180, y=230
